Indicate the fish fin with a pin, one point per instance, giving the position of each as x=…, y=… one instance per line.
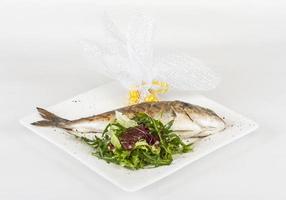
x=43, y=123
x=50, y=119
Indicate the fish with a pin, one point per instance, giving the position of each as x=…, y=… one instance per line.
x=189, y=120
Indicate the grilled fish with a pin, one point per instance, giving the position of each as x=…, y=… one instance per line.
x=190, y=121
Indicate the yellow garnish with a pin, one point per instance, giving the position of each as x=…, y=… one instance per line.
x=151, y=98
x=151, y=95
x=134, y=96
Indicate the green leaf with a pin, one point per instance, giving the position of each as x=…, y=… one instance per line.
x=124, y=120
x=141, y=143
x=115, y=141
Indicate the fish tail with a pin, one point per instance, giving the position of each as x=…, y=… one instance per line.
x=50, y=119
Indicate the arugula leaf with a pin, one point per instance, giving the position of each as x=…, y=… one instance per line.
x=146, y=151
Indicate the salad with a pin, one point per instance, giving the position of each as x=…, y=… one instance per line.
x=140, y=142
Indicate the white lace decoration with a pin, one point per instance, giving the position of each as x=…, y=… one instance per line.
x=128, y=58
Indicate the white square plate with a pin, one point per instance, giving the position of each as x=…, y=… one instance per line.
x=111, y=96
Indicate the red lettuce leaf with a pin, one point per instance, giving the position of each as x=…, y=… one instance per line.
x=135, y=134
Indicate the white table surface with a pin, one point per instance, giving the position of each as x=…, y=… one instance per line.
x=40, y=65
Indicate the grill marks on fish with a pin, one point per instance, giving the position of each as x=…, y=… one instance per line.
x=189, y=120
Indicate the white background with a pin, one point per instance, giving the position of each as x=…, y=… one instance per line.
x=41, y=64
